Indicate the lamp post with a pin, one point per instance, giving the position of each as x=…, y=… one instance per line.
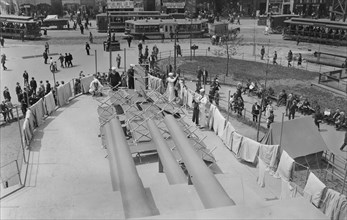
x=264, y=93
x=190, y=42
x=175, y=50
x=109, y=37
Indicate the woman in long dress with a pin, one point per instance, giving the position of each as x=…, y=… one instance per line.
x=202, y=107
x=171, y=87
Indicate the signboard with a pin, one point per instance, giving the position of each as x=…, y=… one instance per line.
x=174, y=4
x=78, y=2
x=120, y=4
x=138, y=5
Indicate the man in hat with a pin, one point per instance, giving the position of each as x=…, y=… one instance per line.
x=114, y=79
x=131, y=80
x=19, y=91
x=118, y=60
x=87, y=48
x=6, y=94
x=26, y=78
x=95, y=87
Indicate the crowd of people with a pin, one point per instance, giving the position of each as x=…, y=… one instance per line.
x=31, y=92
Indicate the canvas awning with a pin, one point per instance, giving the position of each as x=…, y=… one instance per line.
x=300, y=137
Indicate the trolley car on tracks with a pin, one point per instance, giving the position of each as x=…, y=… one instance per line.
x=15, y=26
x=316, y=31
x=166, y=29
x=117, y=19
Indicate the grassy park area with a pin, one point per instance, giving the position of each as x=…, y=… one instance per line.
x=293, y=80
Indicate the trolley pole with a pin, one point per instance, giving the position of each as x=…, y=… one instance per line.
x=175, y=51
x=190, y=42
x=125, y=60
x=96, y=62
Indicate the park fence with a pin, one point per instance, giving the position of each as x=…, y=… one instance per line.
x=334, y=79
x=13, y=177
x=282, y=61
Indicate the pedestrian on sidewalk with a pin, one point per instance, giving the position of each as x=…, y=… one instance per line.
x=46, y=47
x=19, y=91
x=299, y=59
x=2, y=41
x=238, y=20
x=290, y=58
x=70, y=60
x=140, y=47
x=195, y=103
x=33, y=85
x=91, y=37
x=45, y=57
x=118, y=60
x=87, y=48
x=292, y=110
x=61, y=59
x=270, y=119
x=3, y=61
x=6, y=94
x=131, y=80
x=255, y=111
x=262, y=52
x=81, y=29
x=129, y=39
x=26, y=78
x=274, y=60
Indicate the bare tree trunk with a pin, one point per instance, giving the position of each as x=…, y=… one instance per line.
x=227, y=59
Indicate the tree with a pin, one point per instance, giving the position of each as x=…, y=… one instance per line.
x=229, y=46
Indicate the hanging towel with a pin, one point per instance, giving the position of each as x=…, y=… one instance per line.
x=37, y=110
x=218, y=123
x=268, y=153
x=60, y=96
x=341, y=208
x=49, y=103
x=67, y=92
x=30, y=117
x=27, y=132
x=287, y=191
x=85, y=82
x=227, y=135
x=329, y=202
x=211, y=116
x=237, y=139
x=285, y=167
x=314, y=187
x=261, y=176
x=248, y=150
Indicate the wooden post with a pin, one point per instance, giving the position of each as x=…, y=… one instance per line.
x=281, y=128
x=229, y=93
x=96, y=61
x=20, y=134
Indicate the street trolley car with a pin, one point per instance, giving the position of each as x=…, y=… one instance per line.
x=316, y=31
x=118, y=18
x=159, y=29
x=277, y=22
x=13, y=26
